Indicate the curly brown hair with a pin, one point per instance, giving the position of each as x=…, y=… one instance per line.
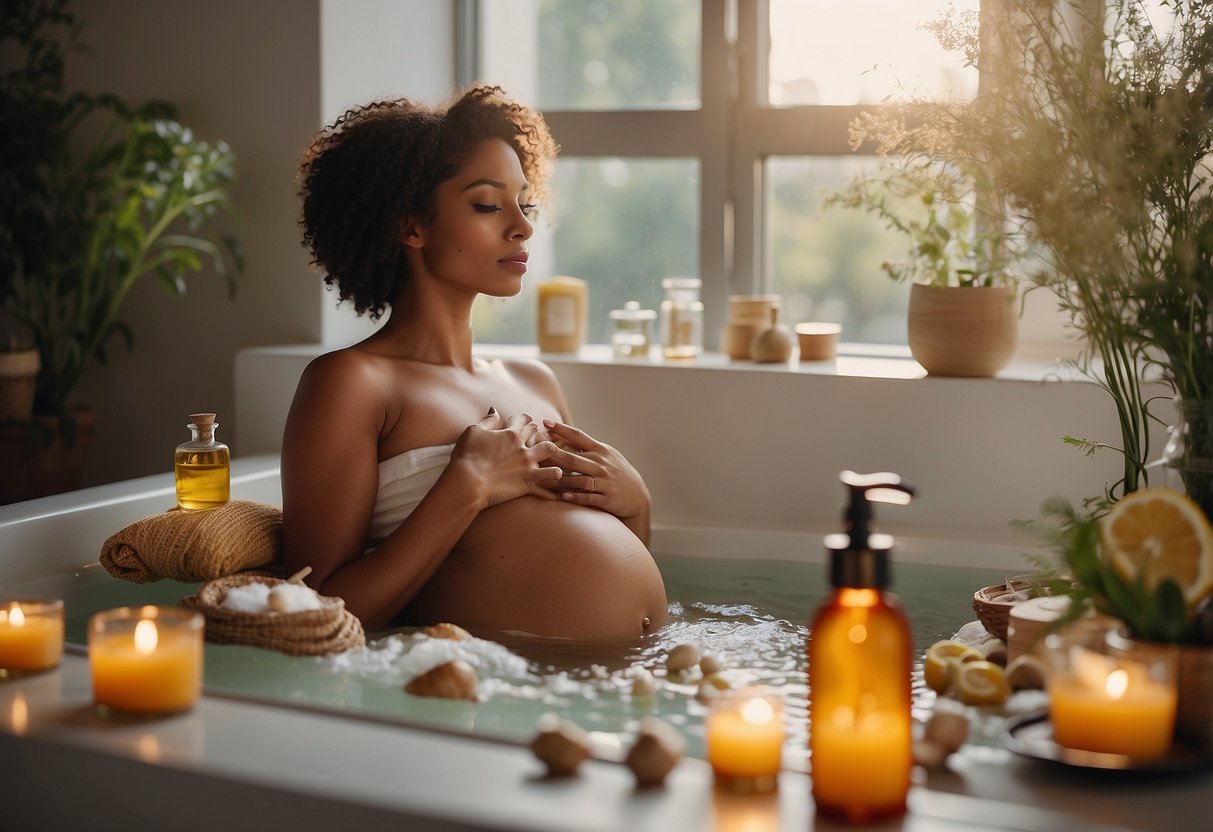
x=378, y=164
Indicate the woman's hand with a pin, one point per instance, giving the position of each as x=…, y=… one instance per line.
x=605, y=479
x=511, y=458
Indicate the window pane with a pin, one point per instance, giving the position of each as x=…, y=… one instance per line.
x=861, y=51
x=593, y=54
x=622, y=225
x=826, y=262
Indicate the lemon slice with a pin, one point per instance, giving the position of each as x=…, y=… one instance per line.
x=982, y=683
x=938, y=668
x=1158, y=533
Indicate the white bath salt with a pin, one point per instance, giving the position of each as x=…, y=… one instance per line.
x=251, y=597
x=293, y=598
x=397, y=658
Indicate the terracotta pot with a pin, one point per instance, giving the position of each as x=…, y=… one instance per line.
x=963, y=331
x=18, y=373
x=36, y=461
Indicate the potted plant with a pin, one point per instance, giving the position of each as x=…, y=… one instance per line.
x=961, y=259
x=94, y=196
x=1097, y=128
x=1118, y=561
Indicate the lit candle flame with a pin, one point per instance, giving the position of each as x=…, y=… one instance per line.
x=146, y=636
x=757, y=712
x=16, y=617
x=1117, y=684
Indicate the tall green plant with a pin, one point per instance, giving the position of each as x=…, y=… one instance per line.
x=87, y=214
x=1097, y=131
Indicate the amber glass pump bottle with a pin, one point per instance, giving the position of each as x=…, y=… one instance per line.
x=203, y=466
x=860, y=656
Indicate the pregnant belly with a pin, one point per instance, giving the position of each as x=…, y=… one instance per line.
x=548, y=569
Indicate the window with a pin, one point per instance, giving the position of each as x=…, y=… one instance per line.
x=697, y=138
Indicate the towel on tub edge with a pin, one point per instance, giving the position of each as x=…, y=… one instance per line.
x=191, y=546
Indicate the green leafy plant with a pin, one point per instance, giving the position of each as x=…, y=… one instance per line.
x=1086, y=576
x=933, y=188
x=925, y=193
x=94, y=196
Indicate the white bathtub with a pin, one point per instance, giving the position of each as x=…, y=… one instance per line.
x=235, y=764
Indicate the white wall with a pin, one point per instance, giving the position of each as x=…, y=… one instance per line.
x=376, y=49
x=759, y=448
x=263, y=76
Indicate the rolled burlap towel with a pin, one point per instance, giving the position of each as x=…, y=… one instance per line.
x=194, y=546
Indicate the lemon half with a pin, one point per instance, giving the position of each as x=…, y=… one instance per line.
x=939, y=665
x=1158, y=533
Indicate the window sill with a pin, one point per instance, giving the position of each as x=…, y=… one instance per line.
x=854, y=360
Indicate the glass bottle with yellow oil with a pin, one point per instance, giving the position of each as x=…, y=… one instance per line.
x=203, y=466
x=860, y=653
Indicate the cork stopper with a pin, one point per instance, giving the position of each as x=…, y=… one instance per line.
x=203, y=421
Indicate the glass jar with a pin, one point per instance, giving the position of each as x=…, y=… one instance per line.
x=681, y=318
x=1187, y=458
x=202, y=466
x=631, y=331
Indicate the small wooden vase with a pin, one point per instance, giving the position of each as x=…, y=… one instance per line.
x=772, y=344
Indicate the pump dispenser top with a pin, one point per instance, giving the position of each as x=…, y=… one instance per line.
x=859, y=557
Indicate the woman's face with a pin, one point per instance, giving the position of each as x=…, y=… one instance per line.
x=477, y=239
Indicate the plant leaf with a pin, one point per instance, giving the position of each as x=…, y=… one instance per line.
x=1172, y=610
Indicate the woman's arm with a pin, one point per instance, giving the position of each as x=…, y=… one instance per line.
x=606, y=480
x=618, y=487
x=330, y=481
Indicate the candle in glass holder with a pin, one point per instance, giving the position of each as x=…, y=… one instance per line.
x=1112, y=701
x=745, y=740
x=31, y=635
x=146, y=659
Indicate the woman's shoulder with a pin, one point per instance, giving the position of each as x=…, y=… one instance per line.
x=354, y=373
x=531, y=371
x=348, y=365
x=539, y=377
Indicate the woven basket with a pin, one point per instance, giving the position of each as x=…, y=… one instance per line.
x=993, y=603
x=329, y=629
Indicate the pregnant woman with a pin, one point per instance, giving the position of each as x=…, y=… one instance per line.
x=420, y=482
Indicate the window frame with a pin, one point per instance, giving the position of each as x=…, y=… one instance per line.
x=735, y=42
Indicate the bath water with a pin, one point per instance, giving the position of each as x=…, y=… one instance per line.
x=750, y=614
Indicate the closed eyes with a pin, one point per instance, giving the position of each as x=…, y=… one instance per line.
x=529, y=209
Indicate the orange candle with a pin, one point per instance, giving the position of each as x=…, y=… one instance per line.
x=745, y=739
x=1112, y=705
x=31, y=634
x=146, y=659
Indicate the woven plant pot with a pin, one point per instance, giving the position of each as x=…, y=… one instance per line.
x=330, y=629
x=1194, y=689
x=1194, y=709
